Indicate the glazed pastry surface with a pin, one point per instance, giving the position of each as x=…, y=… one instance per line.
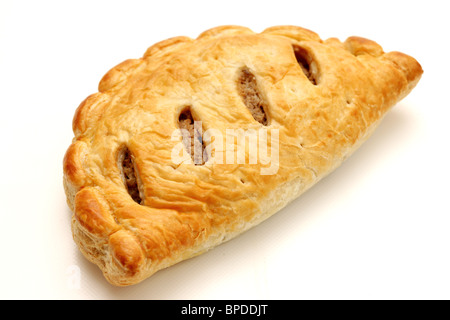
x=147, y=191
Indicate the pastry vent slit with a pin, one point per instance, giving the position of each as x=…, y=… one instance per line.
x=306, y=63
x=248, y=89
x=191, y=130
x=129, y=176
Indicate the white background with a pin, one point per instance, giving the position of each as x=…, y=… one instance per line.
x=376, y=228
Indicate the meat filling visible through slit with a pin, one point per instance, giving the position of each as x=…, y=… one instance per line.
x=248, y=89
x=304, y=60
x=130, y=176
x=196, y=149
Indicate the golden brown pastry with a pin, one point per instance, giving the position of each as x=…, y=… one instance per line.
x=147, y=191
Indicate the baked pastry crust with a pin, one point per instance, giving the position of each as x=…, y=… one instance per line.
x=324, y=97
